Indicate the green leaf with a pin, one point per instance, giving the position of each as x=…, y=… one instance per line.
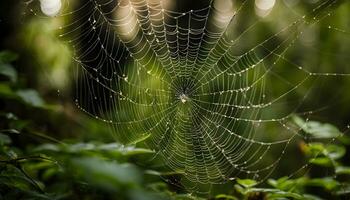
x=105, y=149
x=332, y=151
x=6, y=91
x=246, y=182
x=107, y=174
x=342, y=170
x=277, y=194
x=283, y=183
x=11, y=116
x=345, y=139
x=8, y=71
x=325, y=155
x=311, y=197
x=335, y=151
x=4, y=139
x=166, y=173
x=226, y=197
x=11, y=131
x=327, y=183
x=322, y=161
x=240, y=189
x=344, y=190
x=7, y=56
x=317, y=129
x=31, y=97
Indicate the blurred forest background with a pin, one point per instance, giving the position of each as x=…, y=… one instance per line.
x=49, y=149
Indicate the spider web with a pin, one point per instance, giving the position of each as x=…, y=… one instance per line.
x=191, y=84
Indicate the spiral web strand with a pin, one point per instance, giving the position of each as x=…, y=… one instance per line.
x=189, y=84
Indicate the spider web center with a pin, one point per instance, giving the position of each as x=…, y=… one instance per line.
x=183, y=98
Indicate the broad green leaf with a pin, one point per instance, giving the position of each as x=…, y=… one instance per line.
x=344, y=190
x=168, y=173
x=110, y=148
x=13, y=177
x=141, y=194
x=283, y=183
x=317, y=129
x=278, y=194
x=11, y=131
x=11, y=116
x=345, y=139
x=311, y=197
x=240, y=189
x=335, y=151
x=48, y=147
x=327, y=183
x=8, y=71
x=226, y=197
x=4, y=139
x=31, y=97
x=123, y=149
x=322, y=161
x=7, y=56
x=246, y=182
x=342, y=170
x=6, y=91
x=324, y=154
x=105, y=173
x=315, y=148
